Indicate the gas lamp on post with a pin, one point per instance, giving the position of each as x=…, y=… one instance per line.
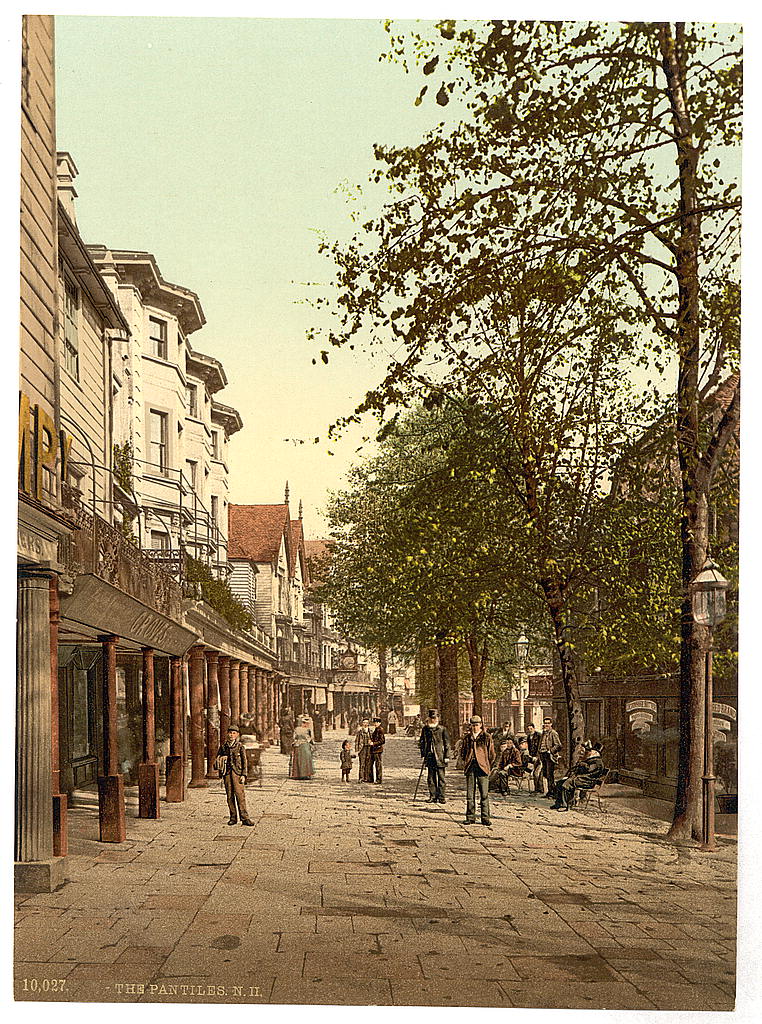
x=522, y=652
x=708, y=608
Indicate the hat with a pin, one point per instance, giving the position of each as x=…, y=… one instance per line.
x=475, y=720
x=233, y=727
x=376, y=719
x=433, y=712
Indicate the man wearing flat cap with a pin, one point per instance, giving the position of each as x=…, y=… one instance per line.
x=435, y=747
x=478, y=753
x=231, y=764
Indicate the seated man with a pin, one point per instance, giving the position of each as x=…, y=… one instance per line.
x=586, y=774
x=508, y=764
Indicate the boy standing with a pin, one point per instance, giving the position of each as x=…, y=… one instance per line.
x=231, y=764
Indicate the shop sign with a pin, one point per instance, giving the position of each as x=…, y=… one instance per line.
x=40, y=447
x=642, y=714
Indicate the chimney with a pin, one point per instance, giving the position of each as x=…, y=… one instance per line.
x=66, y=171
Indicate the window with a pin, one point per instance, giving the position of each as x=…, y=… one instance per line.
x=71, y=328
x=158, y=440
x=157, y=337
x=159, y=540
x=192, y=472
x=215, y=444
x=192, y=400
x=215, y=510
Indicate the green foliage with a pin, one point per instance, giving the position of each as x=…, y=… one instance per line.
x=217, y=594
x=124, y=456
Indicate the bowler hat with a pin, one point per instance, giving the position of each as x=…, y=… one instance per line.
x=433, y=713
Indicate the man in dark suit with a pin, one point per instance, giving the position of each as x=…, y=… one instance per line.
x=550, y=748
x=533, y=747
x=586, y=774
x=377, y=740
x=436, y=749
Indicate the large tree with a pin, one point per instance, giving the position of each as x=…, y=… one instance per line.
x=591, y=161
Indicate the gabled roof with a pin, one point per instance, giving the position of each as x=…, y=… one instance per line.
x=255, y=532
x=318, y=554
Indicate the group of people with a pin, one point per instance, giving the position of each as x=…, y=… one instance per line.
x=488, y=761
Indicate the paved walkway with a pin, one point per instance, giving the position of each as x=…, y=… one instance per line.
x=354, y=894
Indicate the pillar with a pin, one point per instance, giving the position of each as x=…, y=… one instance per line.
x=259, y=703
x=196, y=690
x=251, y=694
x=223, y=677
x=270, y=693
x=148, y=769
x=36, y=869
x=174, y=766
x=212, y=714
x=235, y=691
x=243, y=688
x=110, y=783
x=60, y=802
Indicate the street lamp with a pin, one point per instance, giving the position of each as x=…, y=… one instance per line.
x=707, y=592
x=522, y=652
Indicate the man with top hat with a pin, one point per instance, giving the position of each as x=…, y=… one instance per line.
x=231, y=764
x=478, y=753
x=435, y=747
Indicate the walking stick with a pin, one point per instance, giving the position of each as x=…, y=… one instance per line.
x=420, y=776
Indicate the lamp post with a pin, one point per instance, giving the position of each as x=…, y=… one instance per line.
x=708, y=591
x=522, y=651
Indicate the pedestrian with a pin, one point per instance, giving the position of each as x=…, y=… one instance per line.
x=499, y=736
x=231, y=765
x=377, y=741
x=507, y=765
x=550, y=747
x=362, y=746
x=478, y=754
x=302, y=764
x=392, y=722
x=352, y=720
x=533, y=746
x=345, y=760
x=586, y=774
x=317, y=719
x=435, y=748
x=286, y=726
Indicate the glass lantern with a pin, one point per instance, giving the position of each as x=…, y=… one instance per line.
x=708, y=591
x=522, y=649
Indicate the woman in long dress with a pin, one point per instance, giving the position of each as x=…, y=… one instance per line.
x=302, y=765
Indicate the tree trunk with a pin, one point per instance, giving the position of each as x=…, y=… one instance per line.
x=447, y=674
x=687, y=815
x=478, y=665
x=576, y=719
x=383, y=710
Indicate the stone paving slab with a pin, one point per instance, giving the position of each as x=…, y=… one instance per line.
x=355, y=895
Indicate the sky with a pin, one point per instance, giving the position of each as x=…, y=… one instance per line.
x=226, y=147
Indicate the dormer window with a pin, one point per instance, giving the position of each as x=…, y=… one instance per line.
x=157, y=337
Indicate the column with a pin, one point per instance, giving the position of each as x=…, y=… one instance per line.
x=36, y=869
x=235, y=691
x=110, y=783
x=251, y=693
x=259, y=703
x=270, y=692
x=223, y=676
x=196, y=689
x=212, y=714
x=148, y=769
x=174, y=765
x=243, y=689
x=60, y=802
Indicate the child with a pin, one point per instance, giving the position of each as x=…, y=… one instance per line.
x=345, y=759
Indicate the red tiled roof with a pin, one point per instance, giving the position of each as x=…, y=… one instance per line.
x=255, y=532
x=318, y=553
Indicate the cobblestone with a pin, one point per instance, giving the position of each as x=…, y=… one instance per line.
x=354, y=894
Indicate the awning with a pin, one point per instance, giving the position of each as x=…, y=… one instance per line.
x=103, y=607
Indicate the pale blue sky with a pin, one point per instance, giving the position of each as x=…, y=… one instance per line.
x=218, y=145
